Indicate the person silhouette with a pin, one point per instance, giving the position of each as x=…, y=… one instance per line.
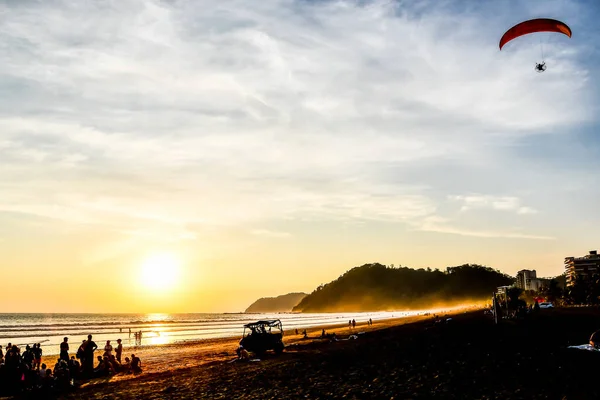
x=540, y=67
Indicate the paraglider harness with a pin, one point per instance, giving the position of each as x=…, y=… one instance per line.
x=540, y=67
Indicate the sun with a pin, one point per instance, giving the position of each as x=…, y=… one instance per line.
x=160, y=272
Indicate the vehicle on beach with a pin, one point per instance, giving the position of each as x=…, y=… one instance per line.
x=546, y=305
x=261, y=336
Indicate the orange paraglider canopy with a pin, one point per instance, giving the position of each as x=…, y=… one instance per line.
x=532, y=26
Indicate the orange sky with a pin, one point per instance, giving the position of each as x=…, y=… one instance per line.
x=271, y=149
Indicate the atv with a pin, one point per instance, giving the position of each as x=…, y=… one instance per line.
x=260, y=336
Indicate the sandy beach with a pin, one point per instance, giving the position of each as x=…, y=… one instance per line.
x=170, y=358
x=468, y=358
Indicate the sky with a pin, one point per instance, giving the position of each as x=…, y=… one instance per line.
x=268, y=147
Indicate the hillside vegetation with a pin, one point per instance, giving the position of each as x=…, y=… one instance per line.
x=376, y=287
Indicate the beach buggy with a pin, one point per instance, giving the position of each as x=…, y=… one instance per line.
x=261, y=336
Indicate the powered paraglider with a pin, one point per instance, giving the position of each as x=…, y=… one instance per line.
x=534, y=26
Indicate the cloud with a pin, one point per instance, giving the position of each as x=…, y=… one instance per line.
x=139, y=116
x=444, y=225
x=501, y=203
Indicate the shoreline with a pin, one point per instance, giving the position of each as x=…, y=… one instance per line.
x=128, y=342
x=466, y=358
x=172, y=357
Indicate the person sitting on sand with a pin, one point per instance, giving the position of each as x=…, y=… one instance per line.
x=62, y=374
x=109, y=366
x=115, y=364
x=100, y=367
x=243, y=354
x=104, y=367
x=323, y=333
x=74, y=367
x=126, y=366
x=60, y=364
x=42, y=371
x=48, y=379
x=136, y=364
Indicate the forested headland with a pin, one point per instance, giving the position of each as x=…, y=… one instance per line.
x=377, y=287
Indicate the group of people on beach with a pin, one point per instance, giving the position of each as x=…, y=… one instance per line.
x=351, y=325
x=108, y=363
x=24, y=371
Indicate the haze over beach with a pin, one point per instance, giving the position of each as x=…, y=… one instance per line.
x=172, y=156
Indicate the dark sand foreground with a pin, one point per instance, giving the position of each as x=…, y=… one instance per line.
x=469, y=358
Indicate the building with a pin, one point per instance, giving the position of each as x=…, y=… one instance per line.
x=534, y=284
x=582, y=267
x=527, y=280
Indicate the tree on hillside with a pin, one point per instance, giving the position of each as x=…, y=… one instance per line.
x=376, y=287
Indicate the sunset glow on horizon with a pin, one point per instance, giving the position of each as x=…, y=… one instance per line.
x=179, y=156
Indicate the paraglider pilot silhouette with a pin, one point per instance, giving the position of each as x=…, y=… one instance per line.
x=540, y=67
x=534, y=26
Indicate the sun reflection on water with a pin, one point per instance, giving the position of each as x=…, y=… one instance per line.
x=155, y=338
x=158, y=317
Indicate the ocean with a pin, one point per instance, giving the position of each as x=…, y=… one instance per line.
x=157, y=329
